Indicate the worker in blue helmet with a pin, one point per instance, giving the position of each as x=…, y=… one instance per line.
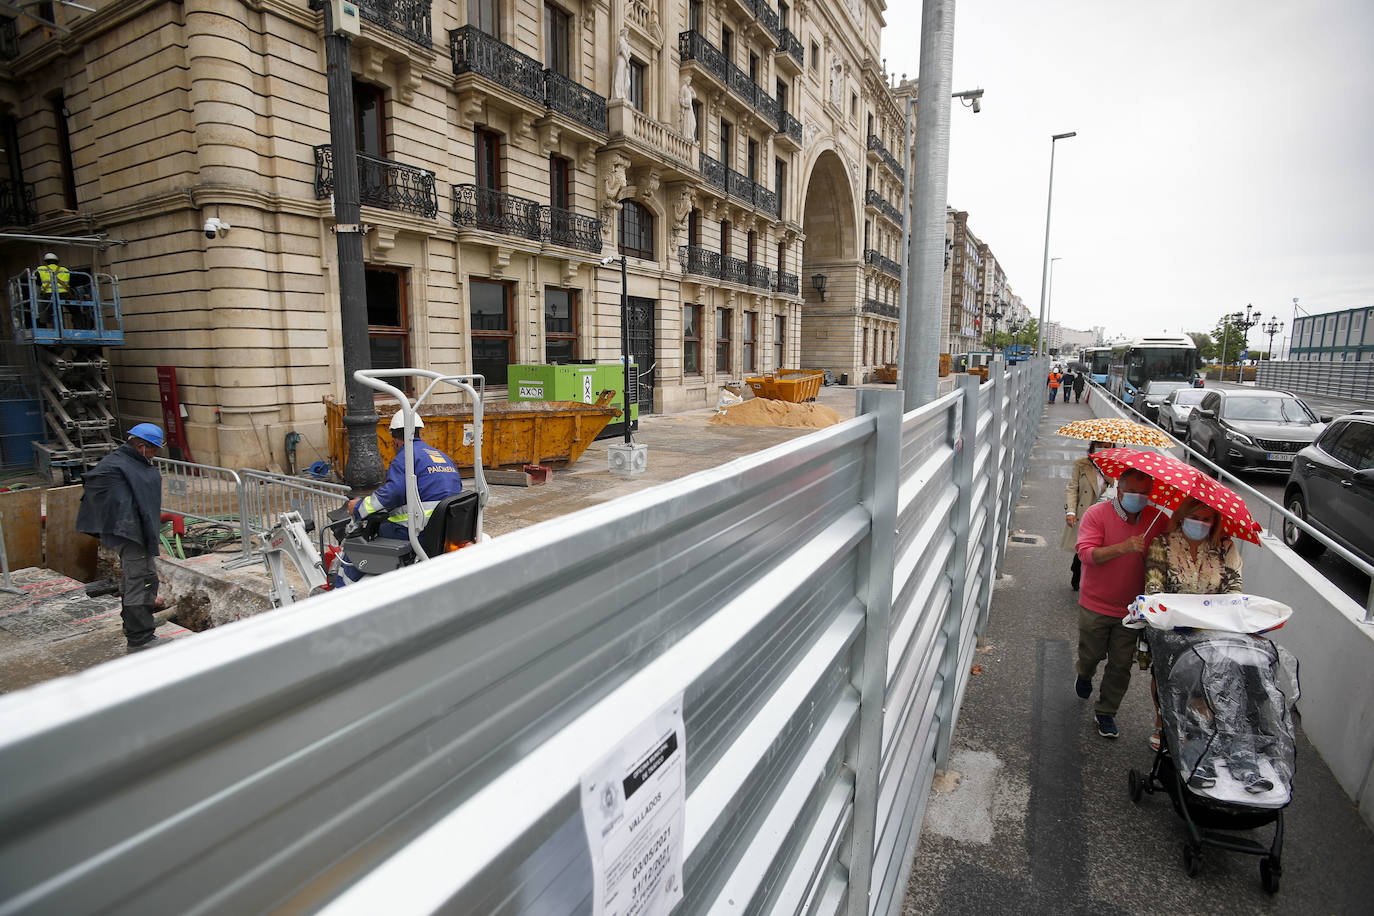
x=122, y=505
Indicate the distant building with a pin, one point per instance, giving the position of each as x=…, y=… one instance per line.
x=965, y=303
x=1334, y=337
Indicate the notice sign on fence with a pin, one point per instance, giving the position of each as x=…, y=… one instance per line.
x=632, y=808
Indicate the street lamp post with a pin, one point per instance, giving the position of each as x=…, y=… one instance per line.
x=1044, y=271
x=1245, y=323
x=995, y=312
x=1272, y=328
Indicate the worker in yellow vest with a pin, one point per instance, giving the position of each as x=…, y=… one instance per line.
x=52, y=276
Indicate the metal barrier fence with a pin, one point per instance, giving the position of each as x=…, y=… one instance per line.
x=203, y=492
x=1318, y=379
x=415, y=743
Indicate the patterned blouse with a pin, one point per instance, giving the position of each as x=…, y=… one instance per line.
x=1171, y=569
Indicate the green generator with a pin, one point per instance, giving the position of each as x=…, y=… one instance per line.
x=578, y=381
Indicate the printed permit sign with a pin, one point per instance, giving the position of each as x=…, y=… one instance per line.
x=632, y=807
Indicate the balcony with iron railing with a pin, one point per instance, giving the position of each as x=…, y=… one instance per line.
x=18, y=206
x=790, y=45
x=693, y=47
x=474, y=51
x=476, y=207
x=885, y=264
x=875, y=145
x=381, y=183
x=408, y=18
x=738, y=185
x=876, y=201
x=787, y=283
x=790, y=127
x=700, y=262
x=882, y=309
x=9, y=39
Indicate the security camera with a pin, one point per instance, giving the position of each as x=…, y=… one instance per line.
x=214, y=226
x=977, y=106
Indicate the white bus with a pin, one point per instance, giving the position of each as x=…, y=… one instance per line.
x=1164, y=357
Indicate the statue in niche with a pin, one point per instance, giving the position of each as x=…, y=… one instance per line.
x=836, y=82
x=620, y=85
x=689, y=117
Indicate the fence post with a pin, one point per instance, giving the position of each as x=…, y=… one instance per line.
x=883, y=461
x=992, y=499
x=952, y=626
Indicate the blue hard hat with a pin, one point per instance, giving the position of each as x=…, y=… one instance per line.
x=149, y=433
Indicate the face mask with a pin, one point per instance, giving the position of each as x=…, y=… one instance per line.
x=1196, y=529
x=1133, y=502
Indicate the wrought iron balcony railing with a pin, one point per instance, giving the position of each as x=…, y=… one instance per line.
x=570, y=229
x=408, y=18
x=18, y=206
x=885, y=264
x=875, y=199
x=791, y=44
x=693, y=46
x=713, y=171
x=759, y=276
x=876, y=144
x=571, y=98
x=381, y=183
x=738, y=186
x=474, y=51
x=789, y=125
x=9, y=39
x=874, y=307
x=496, y=211
x=733, y=270
x=700, y=261
x=766, y=15
x=788, y=283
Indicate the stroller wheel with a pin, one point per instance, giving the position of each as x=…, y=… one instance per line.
x=1192, y=859
x=1137, y=785
x=1269, y=874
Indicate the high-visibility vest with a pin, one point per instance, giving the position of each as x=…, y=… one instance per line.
x=48, y=273
x=1054, y=379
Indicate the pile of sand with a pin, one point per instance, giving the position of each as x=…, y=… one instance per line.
x=767, y=412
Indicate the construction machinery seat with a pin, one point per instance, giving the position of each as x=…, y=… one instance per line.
x=452, y=524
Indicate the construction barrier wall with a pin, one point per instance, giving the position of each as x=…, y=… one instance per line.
x=414, y=743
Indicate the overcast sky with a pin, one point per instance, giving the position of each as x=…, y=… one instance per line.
x=1225, y=152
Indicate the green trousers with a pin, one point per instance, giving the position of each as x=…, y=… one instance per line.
x=1099, y=637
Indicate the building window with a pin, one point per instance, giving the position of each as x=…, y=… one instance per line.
x=369, y=115
x=727, y=143
x=636, y=230
x=697, y=112
x=782, y=95
x=637, y=84
x=560, y=325
x=815, y=56
x=558, y=182
x=779, y=340
x=388, y=331
x=64, y=151
x=696, y=17
x=725, y=232
x=782, y=15
x=749, y=241
x=694, y=228
x=722, y=341
x=753, y=68
x=782, y=257
x=493, y=338
x=486, y=15
x=751, y=323
x=780, y=182
x=727, y=43
x=866, y=333
x=691, y=340
x=487, y=146
x=854, y=105
x=557, y=29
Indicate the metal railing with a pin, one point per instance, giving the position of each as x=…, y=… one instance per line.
x=18, y=202
x=571, y=229
x=875, y=144
x=875, y=200
x=263, y=497
x=789, y=126
x=381, y=183
x=885, y=264
x=496, y=211
x=788, y=283
x=713, y=171
x=569, y=97
x=1319, y=379
x=408, y=18
x=693, y=46
x=205, y=493
x=699, y=261
x=791, y=44
x=817, y=604
x=874, y=307
x=473, y=51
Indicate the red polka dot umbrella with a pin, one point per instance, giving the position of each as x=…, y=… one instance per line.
x=1175, y=480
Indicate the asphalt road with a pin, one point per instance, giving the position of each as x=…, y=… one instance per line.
x=1340, y=573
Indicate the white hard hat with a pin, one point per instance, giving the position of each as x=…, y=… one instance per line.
x=398, y=421
x=50, y=256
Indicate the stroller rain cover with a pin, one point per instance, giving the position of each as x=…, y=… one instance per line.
x=1227, y=714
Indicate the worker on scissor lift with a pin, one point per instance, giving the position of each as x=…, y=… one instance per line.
x=436, y=477
x=52, y=276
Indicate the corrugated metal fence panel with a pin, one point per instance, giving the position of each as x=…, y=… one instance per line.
x=278, y=761
x=1319, y=379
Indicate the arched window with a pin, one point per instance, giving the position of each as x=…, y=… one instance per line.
x=636, y=230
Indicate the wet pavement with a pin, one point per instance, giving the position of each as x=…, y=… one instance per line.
x=1034, y=815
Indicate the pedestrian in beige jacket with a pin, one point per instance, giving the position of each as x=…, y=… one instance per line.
x=1086, y=485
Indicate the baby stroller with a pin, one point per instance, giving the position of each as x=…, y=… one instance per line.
x=1227, y=751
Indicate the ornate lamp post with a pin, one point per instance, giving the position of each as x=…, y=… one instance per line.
x=1272, y=328
x=1245, y=323
x=995, y=311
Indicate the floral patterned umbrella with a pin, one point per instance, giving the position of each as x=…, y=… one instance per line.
x=1115, y=429
x=1175, y=480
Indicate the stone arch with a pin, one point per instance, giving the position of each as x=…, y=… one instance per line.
x=829, y=214
x=831, y=335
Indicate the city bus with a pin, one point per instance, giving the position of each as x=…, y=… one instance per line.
x=1099, y=361
x=1151, y=359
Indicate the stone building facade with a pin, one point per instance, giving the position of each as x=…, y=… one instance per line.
x=966, y=285
x=746, y=159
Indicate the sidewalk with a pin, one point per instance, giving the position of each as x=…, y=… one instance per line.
x=1034, y=816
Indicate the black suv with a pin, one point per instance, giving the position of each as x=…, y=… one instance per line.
x=1252, y=428
x=1331, y=488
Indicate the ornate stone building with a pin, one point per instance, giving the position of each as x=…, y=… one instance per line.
x=733, y=151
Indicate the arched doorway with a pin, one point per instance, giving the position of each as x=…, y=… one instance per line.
x=830, y=335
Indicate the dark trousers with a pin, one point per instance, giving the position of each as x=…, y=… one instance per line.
x=138, y=591
x=1099, y=637
x=1075, y=571
x=1053, y=391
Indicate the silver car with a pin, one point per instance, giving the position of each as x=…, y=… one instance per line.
x=1174, y=410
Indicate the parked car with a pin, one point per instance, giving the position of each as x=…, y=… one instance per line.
x=1331, y=487
x=1174, y=410
x=1252, y=428
x=1155, y=393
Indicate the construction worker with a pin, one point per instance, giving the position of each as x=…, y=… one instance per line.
x=52, y=276
x=122, y=505
x=1054, y=381
x=436, y=477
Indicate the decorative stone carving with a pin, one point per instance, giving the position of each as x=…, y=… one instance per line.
x=810, y=131
x=500, y=260
x=614, y=179
x=374, y=63
x=685, y=99
x=837, y=82
x=646, y=183
x=471, y=103
x=620, y=82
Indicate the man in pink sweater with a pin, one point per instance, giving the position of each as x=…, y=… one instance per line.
x=1112, y=540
